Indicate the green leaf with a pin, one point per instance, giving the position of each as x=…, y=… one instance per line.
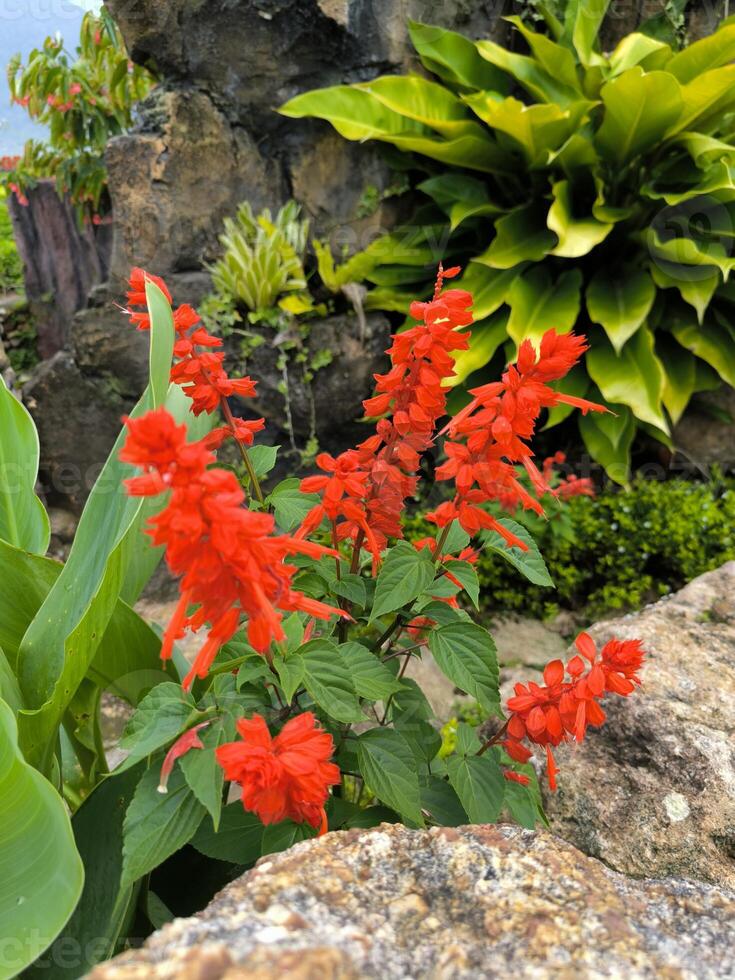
x=697, y=291
x=557, y=60
x=582, y=22
x=705, y=98
x=203, y=773
x=634, y=377
x=684, y=374
x=529, y=563
x=26, y=580
x=42, y=874
x=9, y=690
x=489, y=287
x=466, y=654
x=370, y=677
x=389, y=769
x=423, y=101
x=290, y=505
x=61, y=642
x=479, y=784
x=290, y=673
x=639, y=109
x=710, y=52
x=328, y=680
x=520, y=235
x=486, y=337
x=238, y=840
x=460, y=196
x=95, y=927
x=620, y=303
x=539, y=302
x=574, y=383
x=521, y=805
x=638, y=49
x=23, y=520
x=608, y=439
x=167, y=711
x=528, y=73
x=162, y=341
x=441, y=802
x=404, y=575
x=158, y=824
x=351, y=587
x=577, y=235
x=465, y=573
x=454, y=58
x=263, y=459
x=280, y=836
x=714, y=342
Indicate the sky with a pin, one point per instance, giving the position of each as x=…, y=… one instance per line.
x=24, y=25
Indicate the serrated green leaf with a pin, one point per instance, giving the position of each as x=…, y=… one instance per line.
x=441, y=802
x=403, y=576
x=238, y=839
x=203, y=774
x=479, y=784
x=466, y=654
x=263, y=459
x=529, y=563
x=167, y=711
x=465, y=573
x=280, y=836
x=370, y=677
x=290, y=505
x=389, y=769
x=328, y=680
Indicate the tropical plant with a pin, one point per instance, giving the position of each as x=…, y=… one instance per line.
x=312, y=607
x=84, y=99
x=588, y=189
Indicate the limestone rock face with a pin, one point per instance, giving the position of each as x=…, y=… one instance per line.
x=473, y=902
x=652, y=792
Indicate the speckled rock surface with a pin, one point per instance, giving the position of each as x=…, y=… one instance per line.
x=475, y=902
x=652, y=793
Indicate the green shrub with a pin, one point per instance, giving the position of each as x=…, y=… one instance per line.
x=628, y=548
x=579, y=189
x=11, y=268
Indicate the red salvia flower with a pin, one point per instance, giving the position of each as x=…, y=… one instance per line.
x=286, y=777
x=183, y=744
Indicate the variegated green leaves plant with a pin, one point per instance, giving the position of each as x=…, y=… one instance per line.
x=589, y=190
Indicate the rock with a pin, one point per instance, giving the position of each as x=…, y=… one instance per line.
x=705, y=436
x=652, y=792
x=473, y=903
x=61, y=260
x=337, y=389
x=75, y=418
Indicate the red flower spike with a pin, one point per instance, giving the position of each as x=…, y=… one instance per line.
x=286, y=777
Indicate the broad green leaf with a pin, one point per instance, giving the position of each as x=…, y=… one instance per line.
x=279, y=837
x=441, y=802
x=290, y=505
x=529, y=563
x=608, y=439
x=539, y=302
x=203, y=773
x=460, y=196
x=426, y=102
x=403, y=576
x=466, y=654
x=486, y=337
x=23, y=519
x=529, y=74
x=696, y=291
x=61, y=642
x=328, y=680
x=290, y=673
x=577, y=235
x=634, y=377
x=454, y=58
x=158, y=824
x=554, y=58
x=710, y=52
x=489, y=287
x=521, y=235
x=389, y=769
x=41, y=873
x=465, y=573
x=479, y=784
x=9, y=690
x=639, y=108
x=639, y=49
x=684, y=374
x=370, y=677
x=713, y=341
x=238, y=839
x=26, y=580
x=167, y=711
x=620, y=302
x=162, y=339
x=263, y=459
x=582, y=22
x=350, y=587
x=95, y=927
x=521, y=805
x=705, y=97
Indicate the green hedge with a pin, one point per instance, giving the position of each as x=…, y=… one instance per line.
x=11, y=270
x=629, y=548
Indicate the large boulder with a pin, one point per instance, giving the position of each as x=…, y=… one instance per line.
x=473, y=902
x=652, y=793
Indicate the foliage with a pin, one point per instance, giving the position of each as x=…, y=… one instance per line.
x=312, y=607
x=11, y=267
x=619, y=550
x=588, y=189
x=84, y=98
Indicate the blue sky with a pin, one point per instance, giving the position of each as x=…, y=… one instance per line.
x=24, y=24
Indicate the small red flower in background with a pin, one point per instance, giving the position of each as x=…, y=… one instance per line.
x=559, y=710
x=185, y=743
x=286, y=777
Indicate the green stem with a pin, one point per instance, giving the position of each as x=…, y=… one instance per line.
x=227, y=412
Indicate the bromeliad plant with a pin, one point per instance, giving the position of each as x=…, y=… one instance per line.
x=84, y=100
x=311, y=608
x=589, y=190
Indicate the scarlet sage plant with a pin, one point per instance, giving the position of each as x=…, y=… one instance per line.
x=312, y=607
